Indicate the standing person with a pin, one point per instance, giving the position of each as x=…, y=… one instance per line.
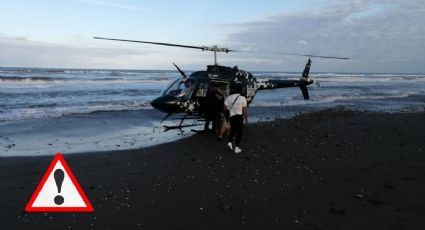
x=221, y=120
x=237, y=105
x=223, y=126
x=209, y=112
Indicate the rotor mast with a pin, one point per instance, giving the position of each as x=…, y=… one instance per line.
x=215, y=49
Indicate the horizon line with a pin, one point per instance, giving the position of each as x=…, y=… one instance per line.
x=274, y=71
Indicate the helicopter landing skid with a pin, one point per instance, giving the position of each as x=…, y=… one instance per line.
x=170, y=127
x=180, y=126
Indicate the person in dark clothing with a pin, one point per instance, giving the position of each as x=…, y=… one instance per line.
x=238, y=109
x=221, y=121
x=209, y=111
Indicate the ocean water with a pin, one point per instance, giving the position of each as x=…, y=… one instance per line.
x=38, y=93
x=121, y=100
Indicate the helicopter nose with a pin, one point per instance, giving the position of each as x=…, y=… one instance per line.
x=166, y=104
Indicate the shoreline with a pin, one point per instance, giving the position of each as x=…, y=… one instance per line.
x=333, y=169
x=129, y=130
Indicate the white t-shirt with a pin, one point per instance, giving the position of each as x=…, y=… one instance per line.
x=236, y=108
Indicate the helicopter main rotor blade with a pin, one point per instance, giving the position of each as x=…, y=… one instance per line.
x=293, y=54
x=217, y=49
x=154, y=43
x=317, y=56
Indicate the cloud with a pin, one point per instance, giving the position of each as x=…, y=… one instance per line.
x=21, y=51
x=379, y=35
x=24, y=52
x=117, y=5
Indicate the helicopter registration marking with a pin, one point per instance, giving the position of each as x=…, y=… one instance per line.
x=213, y=75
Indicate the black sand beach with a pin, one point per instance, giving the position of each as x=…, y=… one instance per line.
x=333, y=169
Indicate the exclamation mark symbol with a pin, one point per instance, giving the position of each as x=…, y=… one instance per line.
x=59, y=175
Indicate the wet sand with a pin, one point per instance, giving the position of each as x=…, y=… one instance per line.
x=333, y=169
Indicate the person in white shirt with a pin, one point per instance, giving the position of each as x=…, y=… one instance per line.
x=238, y=108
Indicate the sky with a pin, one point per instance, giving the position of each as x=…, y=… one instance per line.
x=380, y=36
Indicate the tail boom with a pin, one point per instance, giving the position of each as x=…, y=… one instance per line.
x=303, y=82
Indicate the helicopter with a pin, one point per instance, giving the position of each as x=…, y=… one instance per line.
x=189, y=94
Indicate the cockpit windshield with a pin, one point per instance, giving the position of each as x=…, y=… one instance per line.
x=180, y=87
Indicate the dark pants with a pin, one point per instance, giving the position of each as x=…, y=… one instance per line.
x=209, y=117
x=236, y=128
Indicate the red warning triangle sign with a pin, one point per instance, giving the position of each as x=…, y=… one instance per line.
x=59, y=191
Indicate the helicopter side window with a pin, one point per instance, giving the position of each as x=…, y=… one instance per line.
x=202, y=90
x=181, y=87
x=169, y=86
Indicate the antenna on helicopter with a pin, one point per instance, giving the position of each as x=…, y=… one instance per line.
x=180, y=71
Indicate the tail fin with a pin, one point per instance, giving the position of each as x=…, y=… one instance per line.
x=305, y=92
x=304, y=80
x=307, y=69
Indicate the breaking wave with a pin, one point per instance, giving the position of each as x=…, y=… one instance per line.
x=61, y=80
x=50, y=110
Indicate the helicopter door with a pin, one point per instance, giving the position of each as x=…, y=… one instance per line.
x=202, y=89
x=223, y=86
